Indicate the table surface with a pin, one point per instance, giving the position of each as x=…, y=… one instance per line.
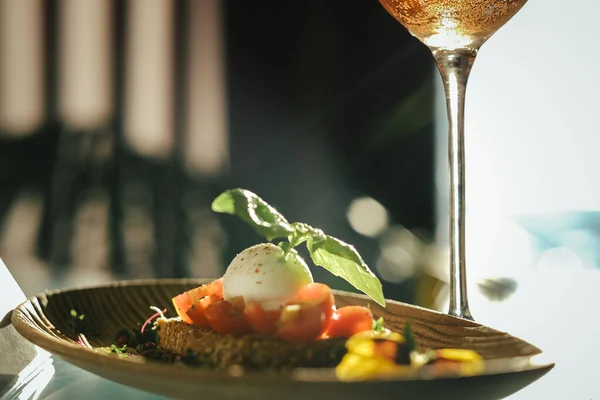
x=564, y=325
x=60, y=380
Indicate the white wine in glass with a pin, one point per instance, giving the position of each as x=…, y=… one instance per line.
x=454, y=30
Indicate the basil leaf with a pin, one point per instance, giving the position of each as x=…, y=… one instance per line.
x=339, y=258
x=266, y=220
x=303, y=232
x=342, y=259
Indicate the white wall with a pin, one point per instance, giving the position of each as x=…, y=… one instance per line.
x=532, y=133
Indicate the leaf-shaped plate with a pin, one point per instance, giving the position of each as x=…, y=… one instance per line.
x=45, y=320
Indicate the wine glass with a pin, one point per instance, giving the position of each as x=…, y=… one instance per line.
x=454, y=30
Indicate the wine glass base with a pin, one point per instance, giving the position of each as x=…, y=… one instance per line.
x=464, y=314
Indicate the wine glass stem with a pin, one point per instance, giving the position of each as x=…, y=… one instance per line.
x=455, y=66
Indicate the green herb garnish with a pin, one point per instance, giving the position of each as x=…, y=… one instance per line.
x=409, y=337
x=406, y=348
x=339, y=258
x=75, y=322
x=378, y=326
x=78, y=324
x=118, y=350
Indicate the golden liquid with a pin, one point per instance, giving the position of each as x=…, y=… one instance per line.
x=451, y=24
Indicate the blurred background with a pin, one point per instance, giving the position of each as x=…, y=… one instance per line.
x=120, y=121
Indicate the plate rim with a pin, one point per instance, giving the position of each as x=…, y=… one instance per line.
x=70, y=350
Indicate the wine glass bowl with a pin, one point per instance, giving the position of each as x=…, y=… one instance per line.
x=453, y=24
x=454, y=30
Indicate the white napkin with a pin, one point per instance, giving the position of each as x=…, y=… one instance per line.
x=16, y=353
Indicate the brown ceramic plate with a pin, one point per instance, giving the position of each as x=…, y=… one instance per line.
x=44, y=320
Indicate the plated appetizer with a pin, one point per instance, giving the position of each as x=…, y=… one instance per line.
x=266, y=313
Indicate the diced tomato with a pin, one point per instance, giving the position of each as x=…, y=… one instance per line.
x=197, y=312
x=307, y=315
x=215, y=288
x=182, y=304
x=349, y=320
x=262, y=321
x=227, y=317
x=184, y=301
x=300, y=322
x=317, y=294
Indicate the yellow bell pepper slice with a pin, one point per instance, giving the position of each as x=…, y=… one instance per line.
x=470, y=363
x=355, y=367
x=461, y=355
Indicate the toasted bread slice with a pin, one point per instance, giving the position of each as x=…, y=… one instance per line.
x=250, y=351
